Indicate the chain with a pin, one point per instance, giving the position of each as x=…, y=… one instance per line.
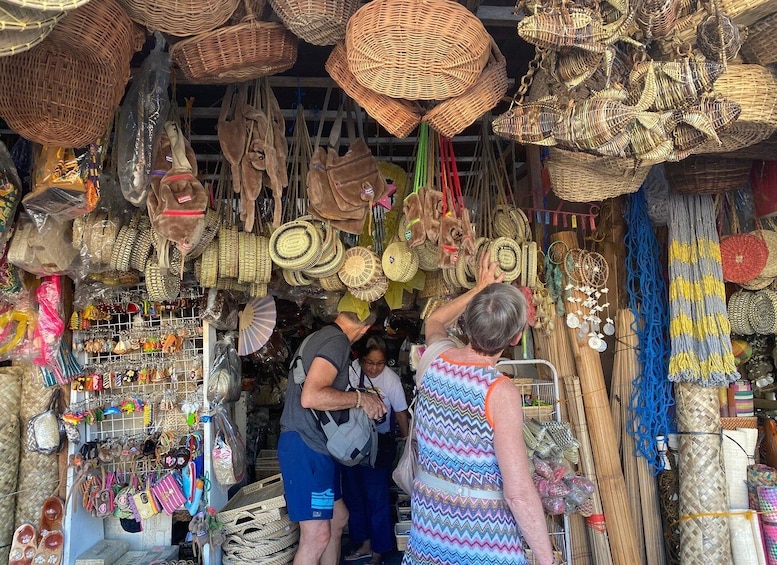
x=528, y=78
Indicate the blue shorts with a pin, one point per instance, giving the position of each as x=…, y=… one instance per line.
x=311, y=481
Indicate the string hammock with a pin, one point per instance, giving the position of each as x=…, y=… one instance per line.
x=651, y=396
x=699, y=327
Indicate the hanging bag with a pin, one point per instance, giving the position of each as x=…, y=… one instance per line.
x=46, y=431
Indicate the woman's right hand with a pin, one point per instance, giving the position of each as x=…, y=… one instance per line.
x=488, y=272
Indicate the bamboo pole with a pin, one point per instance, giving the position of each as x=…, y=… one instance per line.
x=597, y=527
x=612, y=484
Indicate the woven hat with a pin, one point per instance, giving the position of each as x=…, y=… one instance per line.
x=332, y=283
x=328, y=266
x=762, y=311
x=743, y=257
x=400, y=263
x=295, y=245
x=507, y=253
x=360, y=268
x=373, y=291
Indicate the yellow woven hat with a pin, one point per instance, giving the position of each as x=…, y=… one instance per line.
x=400, y=263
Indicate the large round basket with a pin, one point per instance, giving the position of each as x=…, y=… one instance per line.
x=759, y=46
x=399, y=117
x=579, y=177
x=181, y=18
x=708, y=174
x=743, y=257
x=246, y=51
x=360, y=268
x=320, y=22
x=451, y=116
x=295, y=245
x=416, y=49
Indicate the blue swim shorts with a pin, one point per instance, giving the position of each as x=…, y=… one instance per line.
x=311, y=480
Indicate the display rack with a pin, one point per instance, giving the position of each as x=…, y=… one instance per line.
x=547, y=392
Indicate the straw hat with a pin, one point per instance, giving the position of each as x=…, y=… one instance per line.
x=295, y=245
x=507, y=252
x=373, y=291
x=400, y=263
x=360, y=268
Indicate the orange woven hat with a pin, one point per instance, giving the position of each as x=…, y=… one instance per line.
x=743, y=257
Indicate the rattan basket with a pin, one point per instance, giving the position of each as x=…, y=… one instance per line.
x=452, y=116
x=373, y=291
x=320, y=22
x=238, y=53
x=360, y=268
x=759, y=48
x=579, y=177
x=399, y=117
x=416, y=49
x=708, y=174
x=400, y=263
x=295, y=245
x=181, y=18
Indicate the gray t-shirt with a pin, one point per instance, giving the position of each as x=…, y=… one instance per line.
x=329, y=343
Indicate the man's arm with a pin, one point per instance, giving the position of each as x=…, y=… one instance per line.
x=318, y=393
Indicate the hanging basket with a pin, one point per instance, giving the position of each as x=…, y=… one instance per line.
x=416, y=49
x=707, y=174
x=360, y=268
x=743, y=257
x=400, y=263
x=399, y=117
x=759, y=46
x=762, y=311
x=452, y=116
x=295, y=245
x=319, y=22
x=181, y=18
x=14, y=41
x=238, y=53
x=579, y=177
x=48, y=5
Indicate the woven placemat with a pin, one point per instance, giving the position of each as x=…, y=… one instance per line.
x=10, y=446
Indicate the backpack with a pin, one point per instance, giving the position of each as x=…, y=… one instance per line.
x=350, y=442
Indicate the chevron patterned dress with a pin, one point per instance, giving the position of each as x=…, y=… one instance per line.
x=456, y=444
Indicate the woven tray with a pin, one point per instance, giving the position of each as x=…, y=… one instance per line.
x=255, y=498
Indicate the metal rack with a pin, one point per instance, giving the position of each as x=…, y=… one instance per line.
x=548, y=393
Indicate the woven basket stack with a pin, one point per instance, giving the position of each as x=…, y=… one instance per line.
x=256, y=526
x=42, y=94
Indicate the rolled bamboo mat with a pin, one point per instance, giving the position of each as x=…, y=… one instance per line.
x=640, y=481
x=10, y=397
x=669, y=498
x=612, y=485
x=704, y=530
x=596, y=525
x=38, y=473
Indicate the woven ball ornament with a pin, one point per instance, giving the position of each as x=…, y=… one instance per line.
x=743, y=257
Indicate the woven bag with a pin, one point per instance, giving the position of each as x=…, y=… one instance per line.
x=762, y=311
x=181, y=18
x=743, y=257
x=238, y=53
x=400, y=263
x=507, y=253
x=707, y=174
x=579, y=177
x=319, y=22
x=399, y=117
x=452, y=116
x=416, y=49
x=360, y=268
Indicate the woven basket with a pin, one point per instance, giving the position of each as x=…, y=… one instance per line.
x=332, y=283
x=738, y=308
x=579, y=177
x=209, y=273
x=247, y=260
x=734, y=423
x=759, y=48
x=10, y=445
x=360, y=268
x=762, y=311
x=708, y=174
x=400, y=263
x=295, y=245
x=754, y=88
x=14, y=41
x=256, y=499
x=319, y=22
x=330, y=266
x=373, y=291
x=416, y=49
x=161, y=286
x=41, y=90
x=757, y=283
x=48, y=5
x=264, y=266
x=228, y=252
x=399, y=117
x=452, y=116
x=770, y=238
x=17, y=18
x=507, y=253
x=181, y=18
x=239, y=53
x=296, y=278
x=428, y=256
x=743, y=257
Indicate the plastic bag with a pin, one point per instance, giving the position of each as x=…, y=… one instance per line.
x=220, y=309
x=10, y=277
x=17, y=324
x=141, y=120
x=51, y=323
x=229, y=463
x=225, y=380
x=43, y=252
x=10, y=193
x=46, y=431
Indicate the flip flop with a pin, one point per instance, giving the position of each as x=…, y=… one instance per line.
x=23, y=546
x=357, y=555
x=51, y=515
x=50, y=549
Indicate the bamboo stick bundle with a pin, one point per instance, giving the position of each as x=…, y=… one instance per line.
x=612, y=484
x=597, y=526
x=651, y=514
x=623, y=372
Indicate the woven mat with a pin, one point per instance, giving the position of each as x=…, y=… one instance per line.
x=10, y=391
x=10, y=441
x=704, y=539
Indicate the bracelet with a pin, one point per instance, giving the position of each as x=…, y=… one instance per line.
x=358, y=398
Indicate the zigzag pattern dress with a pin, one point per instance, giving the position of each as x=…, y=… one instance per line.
x=456, y=444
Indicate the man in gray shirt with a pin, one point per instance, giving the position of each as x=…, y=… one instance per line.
x=311, y=478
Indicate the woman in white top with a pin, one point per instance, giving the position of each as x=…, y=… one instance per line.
x=366, y=489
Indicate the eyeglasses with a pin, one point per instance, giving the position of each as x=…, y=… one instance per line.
x=373, y=363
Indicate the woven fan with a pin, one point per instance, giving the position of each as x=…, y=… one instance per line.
x=257, y=322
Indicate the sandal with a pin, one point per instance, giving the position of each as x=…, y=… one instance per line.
x=51, y=515
x=50, y=549
x=376, y=559
x=23, y=546
x=357, y=555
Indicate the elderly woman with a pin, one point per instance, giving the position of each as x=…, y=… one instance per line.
x=473, y=497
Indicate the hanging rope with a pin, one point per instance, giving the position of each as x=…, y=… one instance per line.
x=651, y=396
